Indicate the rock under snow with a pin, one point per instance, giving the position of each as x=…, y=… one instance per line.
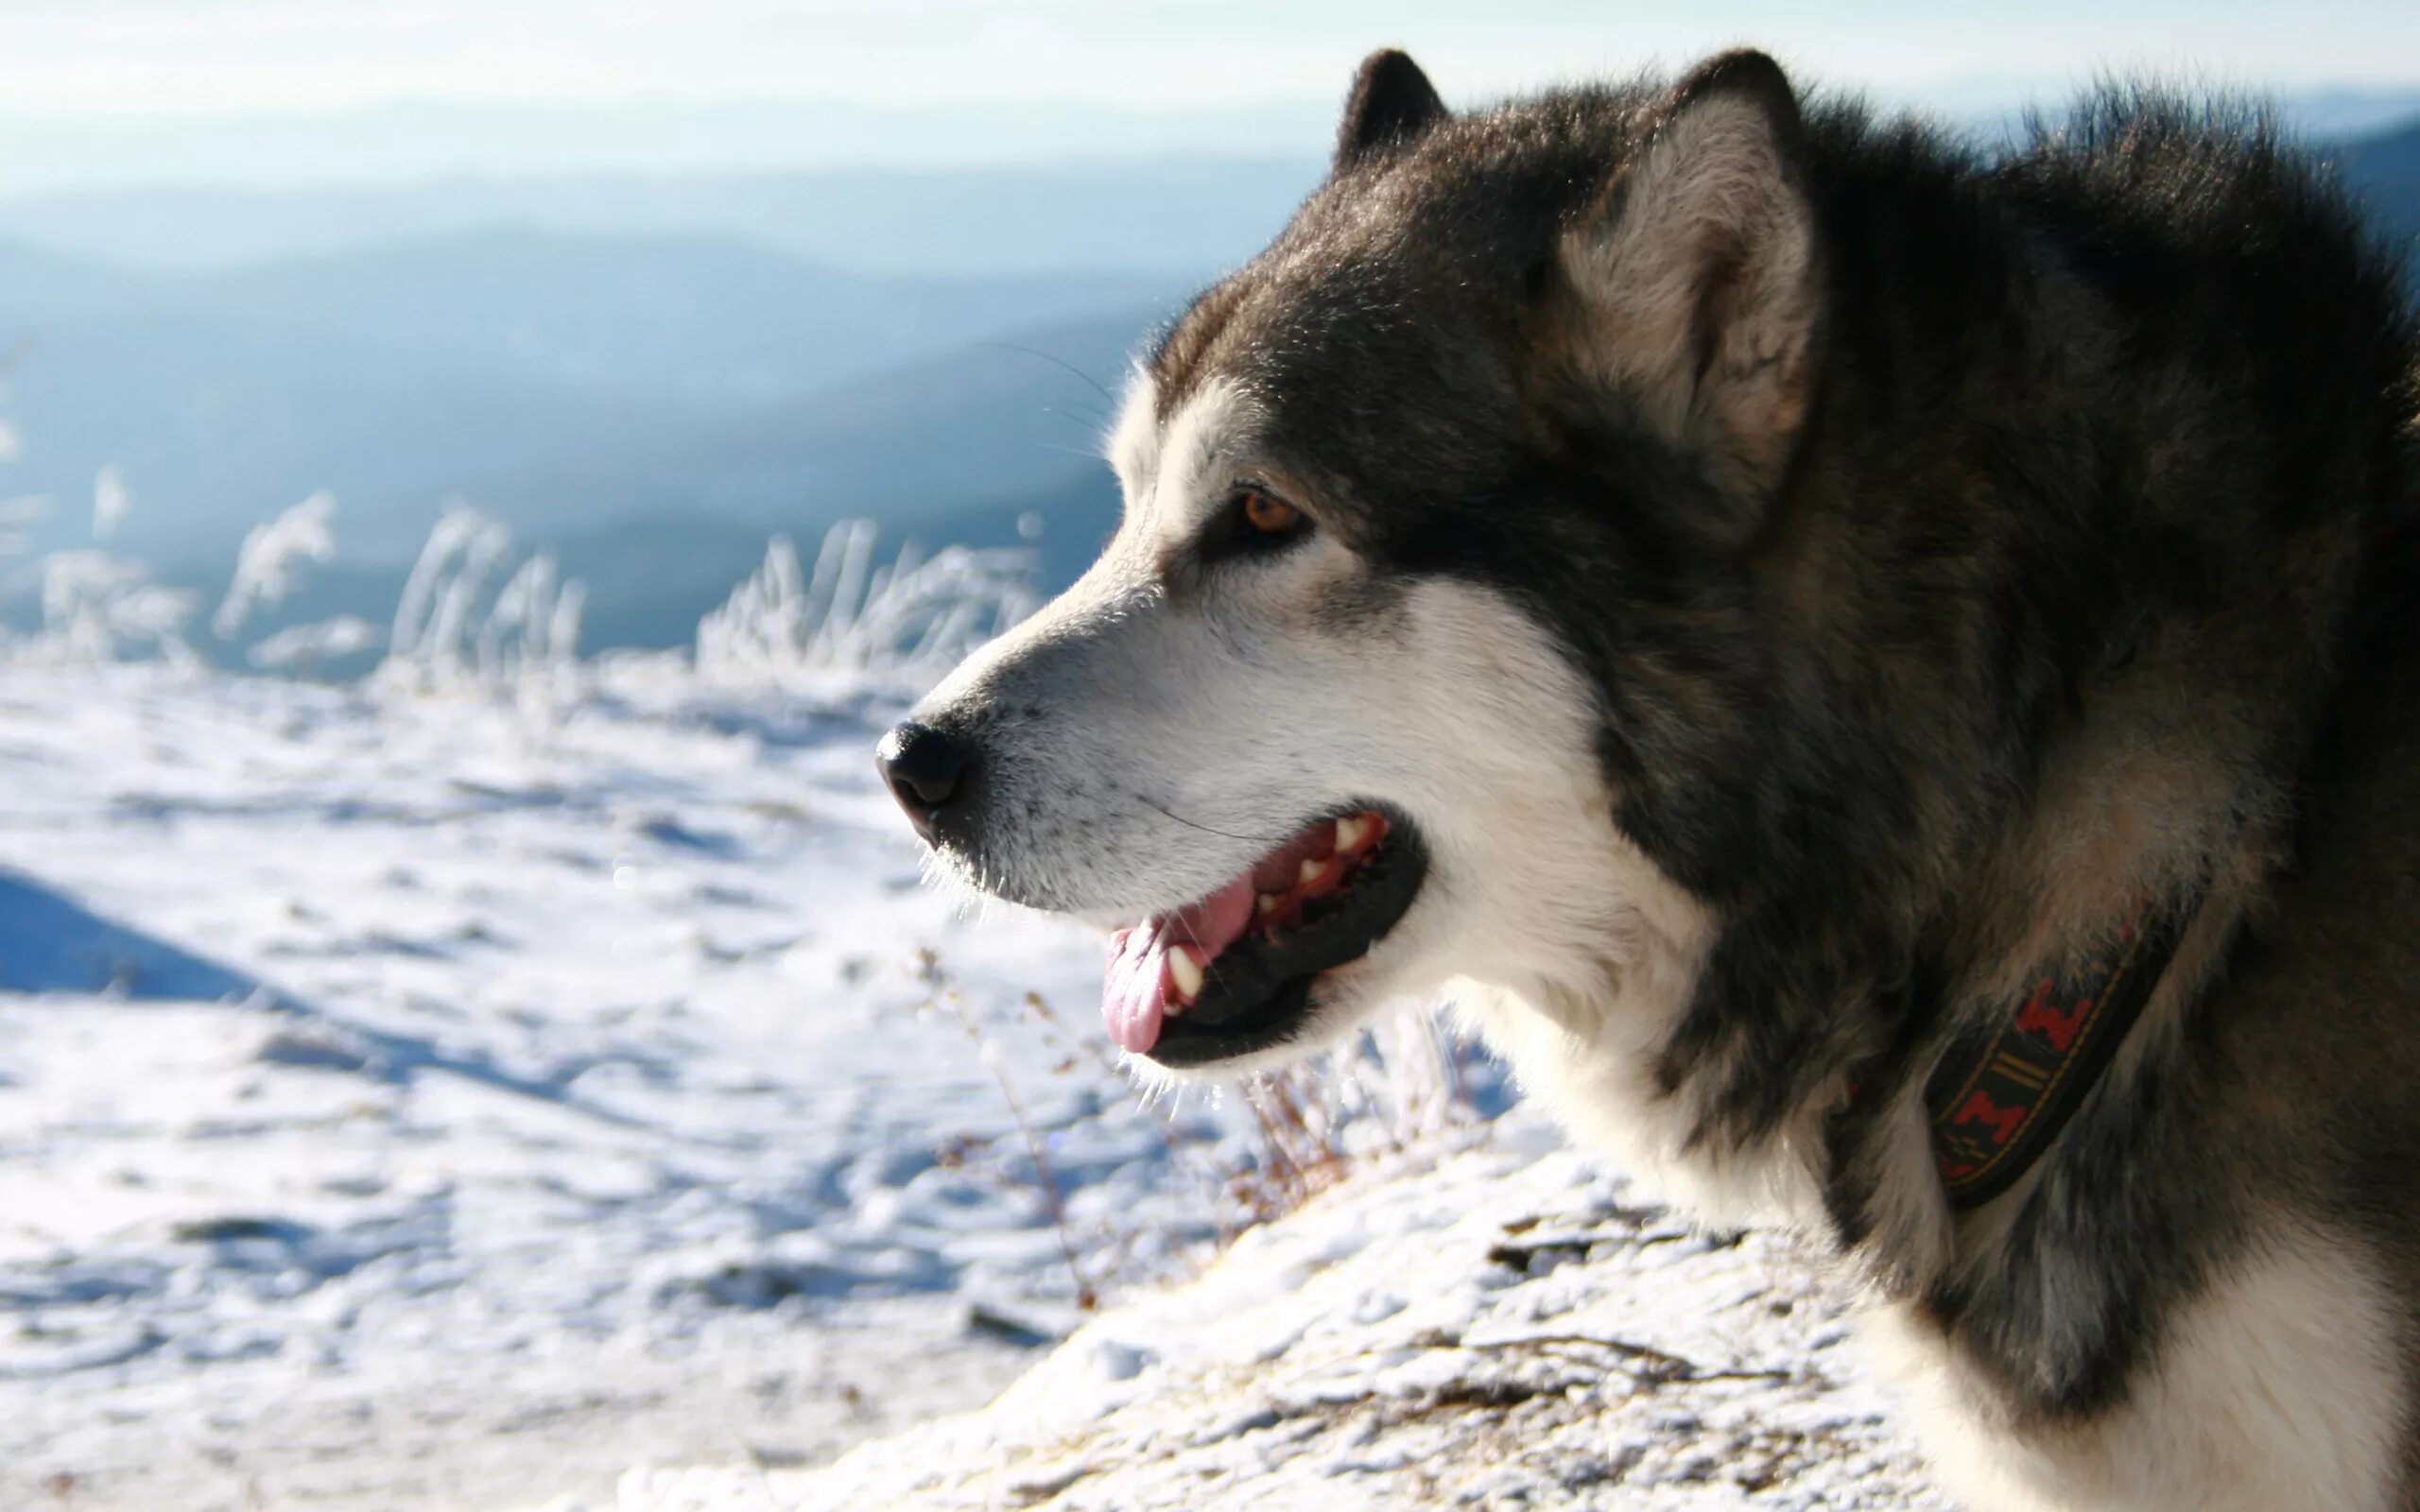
x=1497, y=1323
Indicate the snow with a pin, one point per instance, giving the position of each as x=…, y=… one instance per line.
x=405, y=1102
x=1492, y=1321
x=420, y=1101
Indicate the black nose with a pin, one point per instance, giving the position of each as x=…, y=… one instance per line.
x=924, y=768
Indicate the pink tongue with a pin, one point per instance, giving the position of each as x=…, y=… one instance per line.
x=1134, y=998
x=1134, y=995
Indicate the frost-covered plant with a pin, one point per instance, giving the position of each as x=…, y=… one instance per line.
x=97, y=608
x=850, y=615
x=450, y=635
x=1381, y=1092
x=300, y=648
x=269, y=563
x=426, y=644
x=530, y=641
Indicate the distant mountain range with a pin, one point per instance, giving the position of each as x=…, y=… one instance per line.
x=648, y=378
x=2386, y=169
x=552, y=379
x=1178, y=216
x=650, y=408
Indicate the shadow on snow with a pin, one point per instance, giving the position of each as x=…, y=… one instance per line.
x=50, y=943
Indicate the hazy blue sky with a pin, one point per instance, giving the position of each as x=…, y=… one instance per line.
x=116, y=56
x=99, y=92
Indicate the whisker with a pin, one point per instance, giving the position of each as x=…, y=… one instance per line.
x=1191, y=824
x=1058, y=362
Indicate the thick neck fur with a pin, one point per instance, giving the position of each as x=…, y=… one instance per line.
x=1952, y=764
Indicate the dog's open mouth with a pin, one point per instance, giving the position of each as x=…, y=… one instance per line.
x=1233, y=972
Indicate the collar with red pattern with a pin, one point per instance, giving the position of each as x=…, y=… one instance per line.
x=2003, y=1089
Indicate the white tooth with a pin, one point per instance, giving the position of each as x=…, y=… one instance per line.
x=1266, y=903
x=1186, y=971
x=1351, y=832
x=1310, y=872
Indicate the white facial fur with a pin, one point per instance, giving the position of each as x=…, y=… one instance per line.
x=1153, y=739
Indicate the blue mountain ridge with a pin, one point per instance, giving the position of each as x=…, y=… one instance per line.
x=645, y=398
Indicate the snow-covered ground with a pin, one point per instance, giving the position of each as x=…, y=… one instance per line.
x=407, y=1104
x=1493, y=1322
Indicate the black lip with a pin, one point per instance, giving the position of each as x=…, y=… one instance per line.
x=1257, y=993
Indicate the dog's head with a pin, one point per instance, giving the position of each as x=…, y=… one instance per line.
x=1395, y=671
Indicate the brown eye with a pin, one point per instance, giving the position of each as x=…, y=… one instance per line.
x=1255, y=523
x=1267, y=513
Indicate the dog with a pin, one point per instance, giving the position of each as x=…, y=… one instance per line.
x=1880, y=676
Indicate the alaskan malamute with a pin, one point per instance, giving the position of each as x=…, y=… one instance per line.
x=1882, y=675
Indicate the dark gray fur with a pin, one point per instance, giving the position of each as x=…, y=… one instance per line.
x=2116, y=424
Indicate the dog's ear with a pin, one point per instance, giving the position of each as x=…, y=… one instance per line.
x=1391, y=103
x=1698, y=276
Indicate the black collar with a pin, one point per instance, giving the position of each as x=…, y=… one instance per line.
x=2003, y=1089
